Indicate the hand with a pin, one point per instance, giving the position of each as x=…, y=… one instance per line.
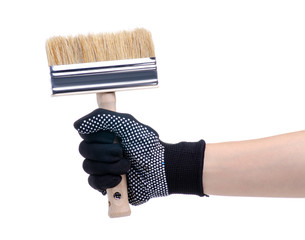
x=153, y=168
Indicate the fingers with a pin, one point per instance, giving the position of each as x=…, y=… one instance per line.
x=101, y=168
x=101, y=152
x=99, y=137
x=104, y=163
x=101, y=183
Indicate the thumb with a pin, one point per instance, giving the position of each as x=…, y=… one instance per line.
x=124, y=126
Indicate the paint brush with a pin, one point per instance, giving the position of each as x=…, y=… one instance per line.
x=103, y=64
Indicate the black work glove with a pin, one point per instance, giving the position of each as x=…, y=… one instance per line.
x=153, y=167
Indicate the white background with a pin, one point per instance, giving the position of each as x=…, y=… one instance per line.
x=228, y=70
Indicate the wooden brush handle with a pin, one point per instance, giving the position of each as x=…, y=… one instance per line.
x=117, y=196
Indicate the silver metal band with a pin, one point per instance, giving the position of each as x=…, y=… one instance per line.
x=104, y=76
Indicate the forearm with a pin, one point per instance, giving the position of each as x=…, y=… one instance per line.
x=267, y=167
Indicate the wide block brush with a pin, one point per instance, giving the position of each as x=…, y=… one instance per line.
x=103, y=64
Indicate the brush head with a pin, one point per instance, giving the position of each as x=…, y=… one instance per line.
x=102, y=62
x=100, y=47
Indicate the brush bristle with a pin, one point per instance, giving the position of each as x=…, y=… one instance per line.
x=99, y=47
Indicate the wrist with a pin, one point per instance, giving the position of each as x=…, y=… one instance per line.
x=184, y=166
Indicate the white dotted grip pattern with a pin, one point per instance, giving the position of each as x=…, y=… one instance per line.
x=146, y=177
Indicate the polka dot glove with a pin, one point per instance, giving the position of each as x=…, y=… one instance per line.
x=153, y=168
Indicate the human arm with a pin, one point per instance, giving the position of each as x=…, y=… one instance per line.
x=267, y=167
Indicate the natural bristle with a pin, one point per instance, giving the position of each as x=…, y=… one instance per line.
x=100, y=47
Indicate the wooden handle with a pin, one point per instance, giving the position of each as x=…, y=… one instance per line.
x=117, y=196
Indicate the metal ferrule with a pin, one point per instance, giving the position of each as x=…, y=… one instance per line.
x=107, y=76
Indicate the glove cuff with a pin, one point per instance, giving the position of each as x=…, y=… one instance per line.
x=183, y=167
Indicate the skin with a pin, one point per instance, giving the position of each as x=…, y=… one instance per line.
x=267, y=167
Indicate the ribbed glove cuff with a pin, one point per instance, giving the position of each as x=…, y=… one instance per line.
x=183, y=167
